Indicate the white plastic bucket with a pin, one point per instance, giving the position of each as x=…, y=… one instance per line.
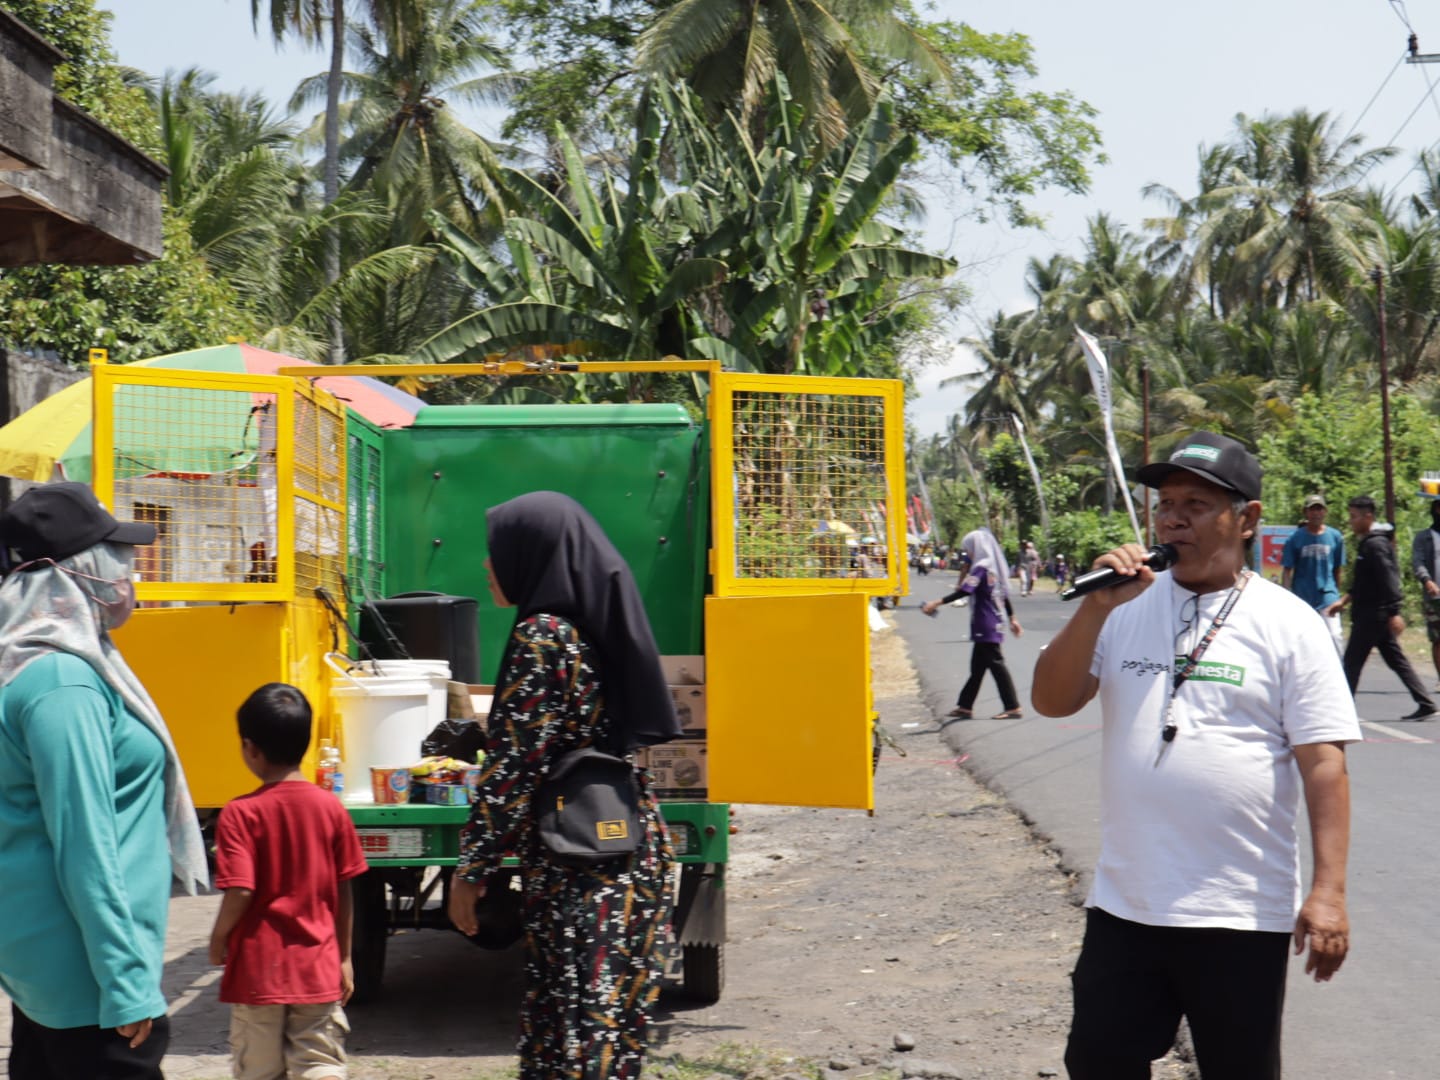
x=385, y=717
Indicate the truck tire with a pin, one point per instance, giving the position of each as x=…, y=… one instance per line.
x=370, y=936
x=703, y=972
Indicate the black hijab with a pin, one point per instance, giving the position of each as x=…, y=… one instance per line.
x=549, y=555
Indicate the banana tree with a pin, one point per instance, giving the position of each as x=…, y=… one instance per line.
x=588, y=263
x=817, y=278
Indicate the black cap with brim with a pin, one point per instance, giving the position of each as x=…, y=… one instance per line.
x=56, y=521
x=1215, y=458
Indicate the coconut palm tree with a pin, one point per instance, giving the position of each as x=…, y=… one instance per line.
x=1293, y=208
x=1001, y=384
x=730, y=51
x=413, y=62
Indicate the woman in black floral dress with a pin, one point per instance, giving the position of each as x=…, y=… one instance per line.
x=581, y=667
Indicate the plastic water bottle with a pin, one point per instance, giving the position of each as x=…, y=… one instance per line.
x=330, y=773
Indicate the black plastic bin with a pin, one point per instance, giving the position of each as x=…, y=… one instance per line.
x=428, y=626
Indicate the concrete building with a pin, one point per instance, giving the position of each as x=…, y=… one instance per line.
x=71, y=190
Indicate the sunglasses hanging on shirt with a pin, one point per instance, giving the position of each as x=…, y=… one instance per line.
x=1192, y=661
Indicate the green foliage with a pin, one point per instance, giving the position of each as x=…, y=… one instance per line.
x=957, y=510
x=769, y=258
x=1022, y=139
x=1004, y=470
x=583, y=59
x=1081, y=535
x=1334, y=446
x=90, y=77
x=961, y=92
x=166, y=306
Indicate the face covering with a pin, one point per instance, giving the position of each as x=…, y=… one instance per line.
x=114, y=598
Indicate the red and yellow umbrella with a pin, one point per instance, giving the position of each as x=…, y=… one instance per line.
x=54, y=437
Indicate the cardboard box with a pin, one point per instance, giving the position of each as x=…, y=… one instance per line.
x=445, y=794
x=678, y=770
x=683, y=670
x=690, y=710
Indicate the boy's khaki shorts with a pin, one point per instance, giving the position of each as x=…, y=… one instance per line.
x=298, y=1042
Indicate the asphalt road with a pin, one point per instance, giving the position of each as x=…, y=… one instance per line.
x=1374, y=1021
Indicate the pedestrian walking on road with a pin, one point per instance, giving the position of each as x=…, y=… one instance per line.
x=581, y=669
x=1029, y=567
x=285, y=855
x=1425, y=562
x=1222, y=699
x=94, y=812
x=1376, y=597
x=984, y=578
x=1311, y=563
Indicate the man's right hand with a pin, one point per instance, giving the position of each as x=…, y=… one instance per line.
x=1432, y=589
x=1129, y=559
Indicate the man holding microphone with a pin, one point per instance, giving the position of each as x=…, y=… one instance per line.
x=1222, y=700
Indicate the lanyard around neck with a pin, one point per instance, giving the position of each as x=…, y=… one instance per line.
x=1192, y=661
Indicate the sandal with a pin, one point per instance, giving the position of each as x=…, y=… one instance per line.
x=960, y=714
x=1009, y=714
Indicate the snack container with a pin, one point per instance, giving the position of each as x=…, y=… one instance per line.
x=448, y=794
x=472, y=780
x=390, y=785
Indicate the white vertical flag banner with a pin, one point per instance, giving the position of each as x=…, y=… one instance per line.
x=1034, y=475
x=1100, y=377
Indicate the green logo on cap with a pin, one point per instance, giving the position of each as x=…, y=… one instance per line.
x=1209, y=453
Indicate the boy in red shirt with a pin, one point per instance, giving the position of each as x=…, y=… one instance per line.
x=284, y=854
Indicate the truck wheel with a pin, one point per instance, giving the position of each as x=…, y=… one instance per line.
x=369, y=936
x=703, y=972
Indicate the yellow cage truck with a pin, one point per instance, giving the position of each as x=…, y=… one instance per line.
x=281, y=513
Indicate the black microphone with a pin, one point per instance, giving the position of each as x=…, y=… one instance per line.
x=1161, y=557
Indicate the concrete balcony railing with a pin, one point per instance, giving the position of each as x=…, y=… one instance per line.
x=71, y=190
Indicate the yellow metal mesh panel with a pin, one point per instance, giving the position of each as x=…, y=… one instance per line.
x=193, y=462
x=320, y=541
x=810, y=485
x=363, y=518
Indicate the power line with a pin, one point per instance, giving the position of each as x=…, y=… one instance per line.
x=1429, y=91
x=1375, y=98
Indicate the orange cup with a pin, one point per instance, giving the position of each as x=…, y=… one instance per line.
x=390, y=785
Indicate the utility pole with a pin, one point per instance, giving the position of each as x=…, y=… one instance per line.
x=1378, y=276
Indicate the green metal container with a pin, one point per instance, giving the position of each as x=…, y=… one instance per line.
x=643, y=471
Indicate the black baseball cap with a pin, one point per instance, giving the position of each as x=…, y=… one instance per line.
x=1211, y=457
x=55, y=521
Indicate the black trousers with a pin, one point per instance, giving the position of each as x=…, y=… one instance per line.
x=1373, y=632
x=92, y=1053
x=1133, y=983
x=985, y=656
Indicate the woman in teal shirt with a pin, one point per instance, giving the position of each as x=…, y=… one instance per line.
x=91, y=797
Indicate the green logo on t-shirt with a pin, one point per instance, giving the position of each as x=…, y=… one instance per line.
x=1214, y=671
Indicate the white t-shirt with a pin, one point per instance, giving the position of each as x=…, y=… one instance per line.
x=1201, y=831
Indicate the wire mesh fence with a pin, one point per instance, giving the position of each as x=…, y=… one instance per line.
x=192, y=463
x=320, y=547
x=202, y=461
x=363, y=516
x=810, y=484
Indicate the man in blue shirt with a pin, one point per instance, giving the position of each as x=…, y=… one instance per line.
x=1312, y=560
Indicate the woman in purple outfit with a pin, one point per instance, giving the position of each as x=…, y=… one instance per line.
x=985, y=583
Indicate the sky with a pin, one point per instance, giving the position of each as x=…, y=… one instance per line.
x=1165, y=79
